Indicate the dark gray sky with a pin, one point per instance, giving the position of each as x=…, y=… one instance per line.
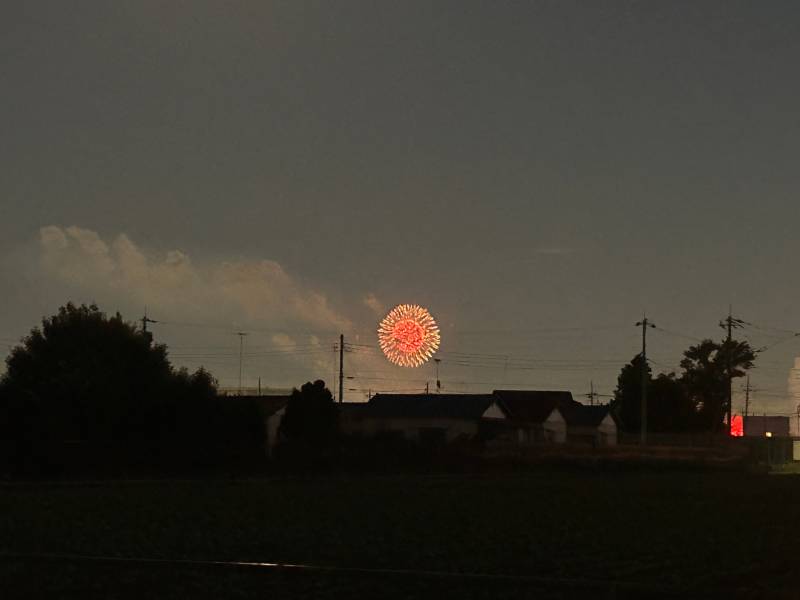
x=537, y=174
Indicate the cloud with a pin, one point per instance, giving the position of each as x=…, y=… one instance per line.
x=200, y=304
x=375, y=305
x=555, y=251
x=255, y=292
x=284, y=341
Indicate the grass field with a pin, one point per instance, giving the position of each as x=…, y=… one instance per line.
x=586, y=533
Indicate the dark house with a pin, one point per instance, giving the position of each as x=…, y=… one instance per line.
x=761, y=425
x=554, y=416
x=536, y=415
x=424, y=417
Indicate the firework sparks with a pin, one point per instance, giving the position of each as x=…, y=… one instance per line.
x=408, y=335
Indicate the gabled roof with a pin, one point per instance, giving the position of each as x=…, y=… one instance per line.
x=532, y=405
x=581, y=415
x=449, y=406
x=535, y=406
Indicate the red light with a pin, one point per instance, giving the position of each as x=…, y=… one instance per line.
x=737, y=426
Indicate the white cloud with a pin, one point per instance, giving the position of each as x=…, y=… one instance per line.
x=375, y=305
x=284, y=341
x=258, y=292
x=200, y=304
x=554, y=250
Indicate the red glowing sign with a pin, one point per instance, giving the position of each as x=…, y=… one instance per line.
x=737, y=426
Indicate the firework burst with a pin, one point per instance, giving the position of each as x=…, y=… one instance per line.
x=408, y=335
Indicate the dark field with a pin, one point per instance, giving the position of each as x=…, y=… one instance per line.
x=585, y=534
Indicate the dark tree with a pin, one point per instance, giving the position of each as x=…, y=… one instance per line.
x=627, y=402
x=83, y=377
x=669, y=409
x=706, y=368
x=311, y=416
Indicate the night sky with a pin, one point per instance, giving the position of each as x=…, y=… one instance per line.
x=536, y=174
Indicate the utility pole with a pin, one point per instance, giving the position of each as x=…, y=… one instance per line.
x=591, y=393
x=644, y=324
x=728, y=324
x=438, y=382
x=241, y=335
x=341, y=368
x=730, y=378
x=145, y=321
x=746, y=405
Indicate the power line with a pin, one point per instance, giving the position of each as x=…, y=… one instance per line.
x=677, y=334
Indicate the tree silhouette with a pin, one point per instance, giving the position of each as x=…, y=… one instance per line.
x=311, y=415
x=627, y=403
x=706, y=368
x=697, y=399
x=669, y=407
x=88, y=378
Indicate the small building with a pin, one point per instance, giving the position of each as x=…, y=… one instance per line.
x=426, y=418
x=761, y=425
x=536, y=415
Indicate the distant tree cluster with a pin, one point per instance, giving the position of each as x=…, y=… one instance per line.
x=86, y=390
x=694, y=400
x=309, y=430
x=311, y=415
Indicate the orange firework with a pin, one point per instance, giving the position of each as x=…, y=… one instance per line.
x=408, y=335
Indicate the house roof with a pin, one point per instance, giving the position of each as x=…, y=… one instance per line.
x=581, y=415
x=451, y=406
x=535, y=406
x=532, y=405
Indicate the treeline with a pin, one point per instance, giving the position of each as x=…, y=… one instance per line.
x=696, y=399
x=89, y=394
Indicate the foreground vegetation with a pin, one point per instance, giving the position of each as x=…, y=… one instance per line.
x=676, y=533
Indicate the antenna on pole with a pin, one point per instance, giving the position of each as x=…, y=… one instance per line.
x=241, y=335
x=592, y=395
x=145, y=321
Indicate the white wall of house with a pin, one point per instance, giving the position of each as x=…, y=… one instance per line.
x=555, y=428
x=494, y=412
x=607, y=432
x=410, y=427
x=272, y=424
